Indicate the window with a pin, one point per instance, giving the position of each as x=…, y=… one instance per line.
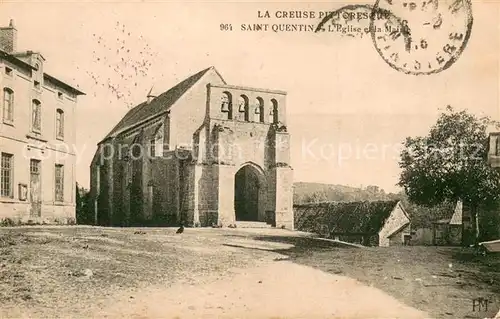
x=243, y=106
x=152, y=148
x=59, y=183
x=273, y=113
x=259, y=110
x=497, y=151
x=129, y=173
x=8, y=71
x=8, y=105
x=159, y=143
x=136, y=149
x=60, y=124
x=227, y=105
x=6, y=178
x=36, y=116
x=35, y=167
x=156, y=147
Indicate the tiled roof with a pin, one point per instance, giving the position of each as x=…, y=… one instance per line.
x=11, y=58
x=158, y=105
x=343, y=217
x=424, y=216
x=62, y=84
x=15, y=59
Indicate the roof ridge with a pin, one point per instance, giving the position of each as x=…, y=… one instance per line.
x=352, y=202
x=145, y=111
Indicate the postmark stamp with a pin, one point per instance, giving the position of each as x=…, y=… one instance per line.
x=418, y=37
x=421, y=37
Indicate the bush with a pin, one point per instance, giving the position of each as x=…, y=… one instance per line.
x=84, y=207
x=8, y=222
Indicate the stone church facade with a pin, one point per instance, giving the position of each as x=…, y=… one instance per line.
x=202, y=153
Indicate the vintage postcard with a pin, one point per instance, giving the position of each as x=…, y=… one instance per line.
x=253, y=159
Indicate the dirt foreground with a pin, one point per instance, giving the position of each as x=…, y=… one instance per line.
x=272, y=290
x=91, y=272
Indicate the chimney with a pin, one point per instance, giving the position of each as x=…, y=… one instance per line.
x=8, y=38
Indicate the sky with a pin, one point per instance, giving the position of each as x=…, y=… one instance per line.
x=347, y=109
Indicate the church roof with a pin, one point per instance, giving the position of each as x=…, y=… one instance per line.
x=158, y=105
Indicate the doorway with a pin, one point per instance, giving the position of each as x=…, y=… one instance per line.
x=35, y=189
x=246, y=194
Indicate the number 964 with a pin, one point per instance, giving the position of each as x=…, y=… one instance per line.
x=226, y=27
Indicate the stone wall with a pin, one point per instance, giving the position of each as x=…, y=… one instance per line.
x=422, y=236
x=190, y=110
x=165, y=176
x=396, y=220
x=216, y=92
x=200, y=190
x=19, y=212
x=284, y=197
x=398, y=238
x=447, y=235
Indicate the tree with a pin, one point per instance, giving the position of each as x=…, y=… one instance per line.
x=84, y=213
x=78, y=198
x=317, y=197
x=450, y=164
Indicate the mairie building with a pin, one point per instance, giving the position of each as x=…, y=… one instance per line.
x=37, y=138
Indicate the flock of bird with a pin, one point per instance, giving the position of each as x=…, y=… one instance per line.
x=121, y=63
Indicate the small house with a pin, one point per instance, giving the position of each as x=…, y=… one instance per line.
x=376, y=223
x=448, y=231
x=446, y=225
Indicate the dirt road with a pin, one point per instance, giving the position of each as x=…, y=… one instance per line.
x=277, y=289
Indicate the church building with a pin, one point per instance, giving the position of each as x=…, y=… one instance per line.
x=203, y=153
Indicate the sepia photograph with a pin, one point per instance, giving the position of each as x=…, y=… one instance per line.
x=250, y=159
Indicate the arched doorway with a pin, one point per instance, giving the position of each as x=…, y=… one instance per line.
x=246, y=193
